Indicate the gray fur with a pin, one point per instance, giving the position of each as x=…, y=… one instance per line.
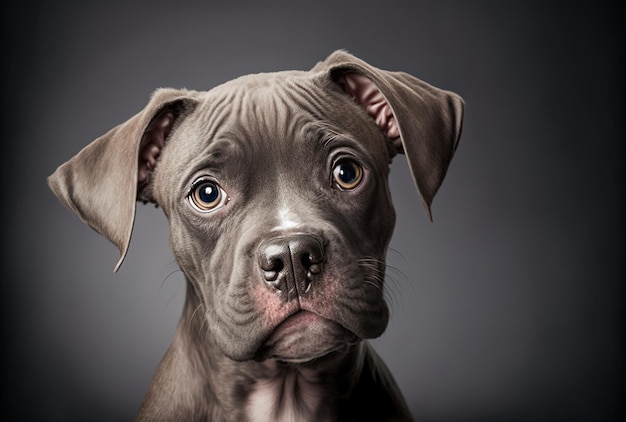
x=270, y=141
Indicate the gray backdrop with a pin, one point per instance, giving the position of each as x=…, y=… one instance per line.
x=508, y=307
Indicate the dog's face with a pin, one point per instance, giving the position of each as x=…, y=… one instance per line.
x=280, y=170
x=275, y=188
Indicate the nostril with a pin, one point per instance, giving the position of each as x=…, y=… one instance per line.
x=271, y=264
x=310, y=262
x=278, y=265
x=271, y=267
x=270, y=275
x=315, y=269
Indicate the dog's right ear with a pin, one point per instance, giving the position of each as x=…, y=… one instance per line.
x=103, y=182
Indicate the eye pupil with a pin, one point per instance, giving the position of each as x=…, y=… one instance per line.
x=347, y=174
x=208, y=193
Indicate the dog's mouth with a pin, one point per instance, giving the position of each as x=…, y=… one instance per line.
x=304, y=337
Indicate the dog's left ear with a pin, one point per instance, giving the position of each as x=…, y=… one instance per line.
x=420, y=120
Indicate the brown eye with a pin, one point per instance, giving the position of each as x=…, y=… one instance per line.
x=347, y=174
x=206, y=196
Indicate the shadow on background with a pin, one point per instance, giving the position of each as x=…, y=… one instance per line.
x=509, y=306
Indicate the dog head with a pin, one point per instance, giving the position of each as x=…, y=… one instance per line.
x=275, y=189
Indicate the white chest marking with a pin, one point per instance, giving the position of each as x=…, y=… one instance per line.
x=284, y=398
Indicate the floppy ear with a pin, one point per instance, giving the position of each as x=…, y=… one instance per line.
x=102, y=183
x=420, y=120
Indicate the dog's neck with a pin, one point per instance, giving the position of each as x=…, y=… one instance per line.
x=251, y=390
x=311, y=391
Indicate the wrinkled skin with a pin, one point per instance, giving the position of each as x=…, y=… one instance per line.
x=277, y=174
x=275, y=188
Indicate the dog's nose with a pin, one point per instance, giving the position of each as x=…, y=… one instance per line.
x=290, y=264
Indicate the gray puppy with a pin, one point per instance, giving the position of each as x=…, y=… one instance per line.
x=276, y=191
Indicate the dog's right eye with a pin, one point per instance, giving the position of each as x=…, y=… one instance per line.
x=207, y=196
x=347, y=174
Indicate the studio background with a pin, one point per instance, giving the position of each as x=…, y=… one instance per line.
x=509, y=306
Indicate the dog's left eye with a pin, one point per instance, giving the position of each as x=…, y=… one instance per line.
x=347, y=174
x=207, y=196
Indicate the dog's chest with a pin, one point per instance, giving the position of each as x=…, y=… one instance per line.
x=289, y=396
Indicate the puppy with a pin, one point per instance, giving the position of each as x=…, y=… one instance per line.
x=276, y=191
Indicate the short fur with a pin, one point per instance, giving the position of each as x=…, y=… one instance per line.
x=284, y=274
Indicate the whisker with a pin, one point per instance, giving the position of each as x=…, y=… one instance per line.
x=193, y=314
x=375, y=276
x=393, y=292
x=172, y=296
x=377, y=286
x=391, y=277
x=168, y=277
x=397, y=277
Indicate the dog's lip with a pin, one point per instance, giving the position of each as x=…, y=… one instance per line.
x=297, y=323
x=300, y=318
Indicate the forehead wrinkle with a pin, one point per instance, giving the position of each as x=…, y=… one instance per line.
x=281, y=106
x=266, y=116
x=216, y=153
x=265, y=105
x=217, y=129
x=215, y=112
x=326, y=133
